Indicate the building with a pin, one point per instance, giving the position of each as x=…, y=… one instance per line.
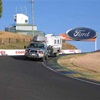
x=22, y=26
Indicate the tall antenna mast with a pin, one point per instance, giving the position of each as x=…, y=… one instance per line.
x=25, y=10
x=16, y=9
x=32, y=2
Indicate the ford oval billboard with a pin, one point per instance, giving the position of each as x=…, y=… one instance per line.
x=81, y=33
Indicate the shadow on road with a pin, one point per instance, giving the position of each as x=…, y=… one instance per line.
x=23, y=58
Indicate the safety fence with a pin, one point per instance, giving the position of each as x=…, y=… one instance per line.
x=18, y=52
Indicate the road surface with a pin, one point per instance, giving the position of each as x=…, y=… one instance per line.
x=30, y=80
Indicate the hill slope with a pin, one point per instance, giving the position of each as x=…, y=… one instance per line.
x=67, y=46
x=13, y=35
x=9, y=35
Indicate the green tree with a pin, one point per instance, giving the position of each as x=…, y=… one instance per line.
x=0, y=8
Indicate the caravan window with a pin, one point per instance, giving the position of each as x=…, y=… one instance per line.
x=54, y=41
x=58, y=41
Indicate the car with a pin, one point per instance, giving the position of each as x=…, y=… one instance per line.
x=36, y=50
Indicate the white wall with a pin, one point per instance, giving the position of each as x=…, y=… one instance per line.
x=21, y=19
x=28, y=28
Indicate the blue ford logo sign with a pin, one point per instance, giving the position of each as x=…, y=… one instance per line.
x=81, y=33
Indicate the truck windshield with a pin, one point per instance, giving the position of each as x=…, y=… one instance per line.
x=36, y=45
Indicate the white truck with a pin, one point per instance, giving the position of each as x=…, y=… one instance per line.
x=44, y=46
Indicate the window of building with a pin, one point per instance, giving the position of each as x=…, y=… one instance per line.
x=26, y=21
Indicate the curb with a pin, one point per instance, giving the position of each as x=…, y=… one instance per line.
x=53, y=65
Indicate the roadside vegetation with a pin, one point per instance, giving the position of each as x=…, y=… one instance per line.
x=17, y=41
x=14, y=45
x=85, y=65
x=13, y=41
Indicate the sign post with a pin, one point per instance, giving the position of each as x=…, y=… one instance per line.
x=95, y=44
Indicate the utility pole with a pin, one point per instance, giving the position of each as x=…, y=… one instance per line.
x=32, y=2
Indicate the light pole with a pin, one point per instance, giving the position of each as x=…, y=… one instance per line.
x=32, y=2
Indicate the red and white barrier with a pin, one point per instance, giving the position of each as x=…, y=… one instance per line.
x=18, y=52
x=12, y=52
x=70, y=51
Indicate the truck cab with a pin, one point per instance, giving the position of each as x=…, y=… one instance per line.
x=37, y=50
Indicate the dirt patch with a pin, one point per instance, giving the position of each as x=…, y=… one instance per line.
x=89, y=61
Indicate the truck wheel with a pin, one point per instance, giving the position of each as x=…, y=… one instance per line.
x=46, y=57
x=56, y=54
x=43, y=59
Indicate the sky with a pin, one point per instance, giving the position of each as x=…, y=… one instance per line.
x=57, y=16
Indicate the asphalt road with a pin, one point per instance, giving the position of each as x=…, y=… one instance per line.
x=30, y=80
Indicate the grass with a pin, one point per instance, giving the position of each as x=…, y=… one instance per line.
x=67, y=62
x=4, y=40
x=14, y=45
x=5, y=36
